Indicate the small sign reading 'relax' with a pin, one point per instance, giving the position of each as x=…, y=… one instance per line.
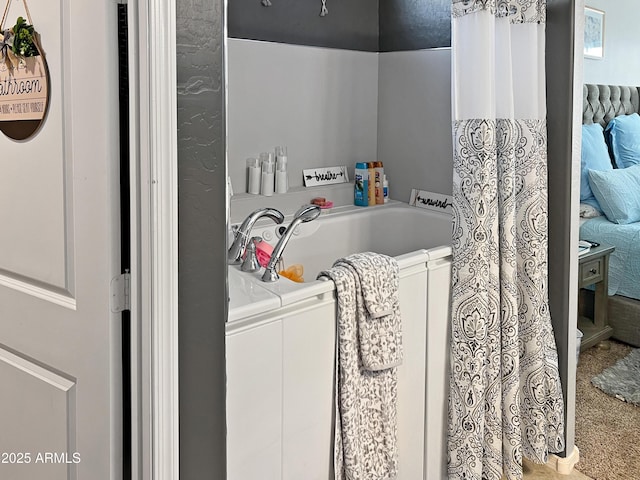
x=324, y=176
x=431, y=201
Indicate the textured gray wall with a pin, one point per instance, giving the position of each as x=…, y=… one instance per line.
x=414, y=24
x=390, y=25
x=560, y=37
x=350, y=24
x=202, y=238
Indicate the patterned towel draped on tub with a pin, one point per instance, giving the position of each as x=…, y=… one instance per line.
x=368, y=348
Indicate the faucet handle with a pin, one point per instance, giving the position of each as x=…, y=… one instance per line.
x=251, y=263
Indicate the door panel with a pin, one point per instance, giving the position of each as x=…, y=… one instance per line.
x=45, y=401
x=60, y=345
x=34, y=193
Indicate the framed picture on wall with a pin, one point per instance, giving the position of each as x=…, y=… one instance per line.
x=593, y=33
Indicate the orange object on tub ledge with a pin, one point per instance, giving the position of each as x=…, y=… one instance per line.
x=293, y=273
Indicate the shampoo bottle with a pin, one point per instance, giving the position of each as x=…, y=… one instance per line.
x=372, y=183
x=379, y=182
x=385, y=188
x=361, y=185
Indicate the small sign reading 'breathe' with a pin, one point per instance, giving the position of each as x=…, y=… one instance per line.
x=325, y=176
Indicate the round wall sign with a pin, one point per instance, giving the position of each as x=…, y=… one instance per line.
x=24, y=80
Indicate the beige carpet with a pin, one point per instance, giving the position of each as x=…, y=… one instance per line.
x=542, y=472
x=607, y=429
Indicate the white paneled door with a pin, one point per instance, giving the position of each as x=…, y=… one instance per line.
x=60, y=399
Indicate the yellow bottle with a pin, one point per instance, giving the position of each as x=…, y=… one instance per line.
x=379, y=183
x=371, y=166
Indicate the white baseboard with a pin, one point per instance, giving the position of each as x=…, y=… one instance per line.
x=564, y=465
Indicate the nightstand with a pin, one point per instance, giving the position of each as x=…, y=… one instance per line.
x=594, y=270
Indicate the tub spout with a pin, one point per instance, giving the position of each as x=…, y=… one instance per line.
x=242, y=235
x=305, y=214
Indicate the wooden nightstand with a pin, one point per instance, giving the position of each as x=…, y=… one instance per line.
x=594, y=270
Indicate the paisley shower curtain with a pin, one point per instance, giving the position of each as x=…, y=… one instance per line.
x=505, y=398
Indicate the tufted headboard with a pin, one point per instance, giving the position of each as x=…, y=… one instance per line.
x=601, y=103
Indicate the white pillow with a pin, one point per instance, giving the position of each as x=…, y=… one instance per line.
x=588, y=211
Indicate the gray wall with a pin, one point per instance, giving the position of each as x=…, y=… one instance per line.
x=202, y=239
x=561, y=89
x=350, y=24
x=414, y=24
x=390, y=25
x=621, y=62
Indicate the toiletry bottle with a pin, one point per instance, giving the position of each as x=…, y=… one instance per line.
x=268, y=167
x=282, y=179
x=253, y=176
x=372, y=183
x=379, y=182
x=361, y=185
x=385, y=188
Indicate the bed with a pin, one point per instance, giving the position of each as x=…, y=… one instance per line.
x=610, y=106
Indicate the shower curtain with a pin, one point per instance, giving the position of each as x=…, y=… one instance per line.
x=505, y=395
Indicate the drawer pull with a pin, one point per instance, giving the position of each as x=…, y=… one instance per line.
x=593, y=271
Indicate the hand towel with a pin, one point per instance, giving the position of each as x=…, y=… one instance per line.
x=380, y=332
x=365, y=444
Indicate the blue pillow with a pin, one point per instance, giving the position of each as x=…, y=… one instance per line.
x=618, y=193
x=623, y=133
x=595, y=156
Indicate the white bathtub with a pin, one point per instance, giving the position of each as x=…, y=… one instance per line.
x=393, y=230
x=281, y=347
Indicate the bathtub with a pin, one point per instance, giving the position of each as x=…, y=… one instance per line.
x=281, y=346
x=393, y=230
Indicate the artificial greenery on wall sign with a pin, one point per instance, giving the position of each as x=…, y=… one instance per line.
x=24, y=78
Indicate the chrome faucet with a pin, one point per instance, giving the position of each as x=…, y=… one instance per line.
x=236, y=251
x=304, y=215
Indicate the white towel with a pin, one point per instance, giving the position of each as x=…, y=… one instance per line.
x=366, y=419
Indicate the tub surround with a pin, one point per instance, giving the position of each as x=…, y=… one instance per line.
x=280, y=396
x=414, y=120
x=247, y=297
x=319, y=102
x=338, y=107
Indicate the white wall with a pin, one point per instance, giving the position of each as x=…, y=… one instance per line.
x=338, y=107
x=321, y=103
x=621, y=62
x=414, y=121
